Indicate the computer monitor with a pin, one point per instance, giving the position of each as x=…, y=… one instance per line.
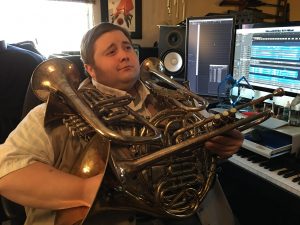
x=209, y=53
x=269, y=57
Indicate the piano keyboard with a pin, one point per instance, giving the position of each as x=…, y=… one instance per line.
x=283, y=171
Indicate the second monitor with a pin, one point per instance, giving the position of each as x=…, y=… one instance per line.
x=269, y=57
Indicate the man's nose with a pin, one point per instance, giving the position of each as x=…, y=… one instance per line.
x=124, y=55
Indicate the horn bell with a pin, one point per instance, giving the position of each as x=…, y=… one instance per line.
x=51, y=74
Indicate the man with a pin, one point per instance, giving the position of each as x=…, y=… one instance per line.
x=36, y=161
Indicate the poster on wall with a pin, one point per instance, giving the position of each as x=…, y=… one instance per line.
x=125, y=13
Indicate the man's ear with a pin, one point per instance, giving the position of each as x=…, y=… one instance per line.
x=90, y=70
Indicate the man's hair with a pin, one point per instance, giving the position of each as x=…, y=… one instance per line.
x=89, y=39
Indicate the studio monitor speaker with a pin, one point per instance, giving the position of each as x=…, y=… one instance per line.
x=171, y=50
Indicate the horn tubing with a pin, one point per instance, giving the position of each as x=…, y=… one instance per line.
x=179, y=86
x=100, y=128
x=155, y=66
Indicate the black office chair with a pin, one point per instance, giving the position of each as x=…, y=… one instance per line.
x=15, y=213
x=17, y=65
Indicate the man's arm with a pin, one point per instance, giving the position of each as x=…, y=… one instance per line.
x=42, y=186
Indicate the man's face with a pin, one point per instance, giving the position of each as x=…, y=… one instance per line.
x=116, y=63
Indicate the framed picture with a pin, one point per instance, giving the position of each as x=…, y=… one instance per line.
x=125, y=13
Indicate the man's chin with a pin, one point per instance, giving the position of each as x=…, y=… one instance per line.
x=128, y=84
x=130, y=76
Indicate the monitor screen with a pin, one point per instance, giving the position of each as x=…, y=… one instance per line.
x=209, y=53
x=268, y=57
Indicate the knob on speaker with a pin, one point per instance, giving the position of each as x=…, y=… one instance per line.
x=171, y=50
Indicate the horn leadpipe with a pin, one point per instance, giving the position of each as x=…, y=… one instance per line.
x=175, y=101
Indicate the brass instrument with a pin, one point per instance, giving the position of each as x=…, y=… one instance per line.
x=156, y=166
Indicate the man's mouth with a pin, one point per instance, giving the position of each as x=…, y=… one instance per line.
x=128, y=67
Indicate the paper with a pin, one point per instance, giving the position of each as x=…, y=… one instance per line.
x=273, y=123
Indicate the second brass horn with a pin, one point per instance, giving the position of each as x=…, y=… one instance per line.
x=160, y=168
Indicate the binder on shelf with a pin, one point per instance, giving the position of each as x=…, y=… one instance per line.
x=267, y=142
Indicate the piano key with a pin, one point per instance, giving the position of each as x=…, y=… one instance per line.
x=291, y=174
x=244, y=153
x=296, y=179
x=282, y=172
x=274, y=166
x=258, y=159
x=275, y=163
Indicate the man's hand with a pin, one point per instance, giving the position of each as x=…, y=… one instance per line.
x=226, y=145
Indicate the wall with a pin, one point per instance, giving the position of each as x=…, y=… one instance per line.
x=155, y=13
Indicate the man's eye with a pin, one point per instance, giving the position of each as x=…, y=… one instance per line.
x=111, y=52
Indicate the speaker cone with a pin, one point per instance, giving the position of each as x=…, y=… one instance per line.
x=173, y=62
x=175, y=39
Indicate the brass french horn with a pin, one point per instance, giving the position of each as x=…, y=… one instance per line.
x=161, y=167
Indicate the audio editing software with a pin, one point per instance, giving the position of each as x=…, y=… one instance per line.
x=269, y=57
